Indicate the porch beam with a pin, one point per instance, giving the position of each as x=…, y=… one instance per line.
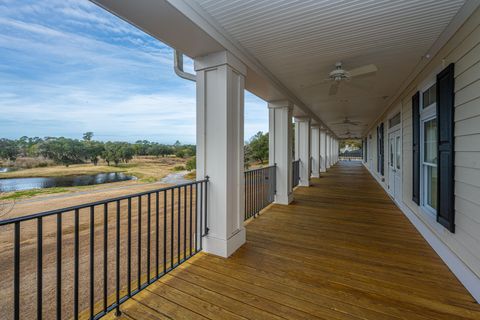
x=220, y=119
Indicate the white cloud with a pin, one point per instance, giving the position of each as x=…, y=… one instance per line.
x=70, y=67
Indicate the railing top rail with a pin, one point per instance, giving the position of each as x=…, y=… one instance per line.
x=259, y=169
x=96, y=203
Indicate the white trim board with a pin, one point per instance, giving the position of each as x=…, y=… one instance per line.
x=463, y=273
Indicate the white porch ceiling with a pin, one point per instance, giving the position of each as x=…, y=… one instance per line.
x=300, y=41
x=290, y=46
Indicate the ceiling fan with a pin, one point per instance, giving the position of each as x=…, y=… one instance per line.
x=347, y=121
x=339, y=74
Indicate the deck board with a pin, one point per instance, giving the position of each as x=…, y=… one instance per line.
x=342, y=250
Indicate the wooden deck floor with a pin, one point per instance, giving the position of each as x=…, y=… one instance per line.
x=342, y=250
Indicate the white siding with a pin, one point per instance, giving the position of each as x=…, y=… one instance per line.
x=463, y=49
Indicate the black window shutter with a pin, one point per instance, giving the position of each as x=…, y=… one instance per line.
x=366, y=150
x=378, y=149
x=382, y=150
x=446, y=152
x=416, y=147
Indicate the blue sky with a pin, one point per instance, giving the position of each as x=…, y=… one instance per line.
x=67, y=67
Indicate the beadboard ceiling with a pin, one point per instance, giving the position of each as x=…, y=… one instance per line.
x=300, y=41
x=289, y=47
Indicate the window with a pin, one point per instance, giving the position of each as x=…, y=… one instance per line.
x=394, y=121
x=430, y=163
x=429, y=96
x=429, y=149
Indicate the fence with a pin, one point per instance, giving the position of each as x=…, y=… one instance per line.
x=259, y=189
x=83, y=254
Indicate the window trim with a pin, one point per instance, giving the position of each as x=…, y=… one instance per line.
x=426, y=114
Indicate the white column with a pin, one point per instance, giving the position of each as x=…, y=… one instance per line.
x=220, y=116
x=315, y=149
x=323, y=151
x=334, y=151
x=302, y=149
x=280, y=148
x=328, y=154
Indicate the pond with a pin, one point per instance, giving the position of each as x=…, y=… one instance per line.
x=6, y=169
x=18, y=184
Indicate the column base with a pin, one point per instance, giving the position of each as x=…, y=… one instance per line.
x=323, y=170
x=304, y=184
x=224, y=247
x=315, y=175
x=283, y=199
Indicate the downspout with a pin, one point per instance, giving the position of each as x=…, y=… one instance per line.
x=178, y=67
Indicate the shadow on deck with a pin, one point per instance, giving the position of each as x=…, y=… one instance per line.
x=342, y=250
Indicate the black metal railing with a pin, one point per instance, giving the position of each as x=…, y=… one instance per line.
x=87, y=260
x=260, y=185
x=295, y=172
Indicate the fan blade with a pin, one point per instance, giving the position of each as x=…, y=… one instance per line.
x=371, y=68
x=333, y=89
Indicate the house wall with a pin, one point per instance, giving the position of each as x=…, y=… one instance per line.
x=460, y=250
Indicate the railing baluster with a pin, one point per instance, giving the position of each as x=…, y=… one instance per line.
x=39, y=267
x=148, y=235
x=164, y=232
x=76, y=263
x=139, y=247
x=16, y=281
x=201, y=216
x=117, y=262
x=157, y=249
x=92, y=260
x=178, y=223
x=206, y=206
x=191, y=221
x=129, y=246
x=172, y=227
x=59, y=267
x=185, y=222
x=196, y=218
x=105, y=256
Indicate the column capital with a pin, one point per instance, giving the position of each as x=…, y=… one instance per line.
x=220, y=58
x=302, y=119
x=280, y=104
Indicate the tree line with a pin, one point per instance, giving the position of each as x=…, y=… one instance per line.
x=68, y=151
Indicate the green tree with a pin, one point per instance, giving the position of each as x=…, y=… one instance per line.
x=258, y=147
x=8, y=149
x=93, y=150
x=63, y=150
x=87, y=136
x=191, y=164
